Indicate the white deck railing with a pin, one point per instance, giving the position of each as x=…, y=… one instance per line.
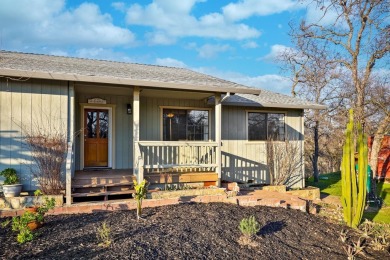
x=178, y=155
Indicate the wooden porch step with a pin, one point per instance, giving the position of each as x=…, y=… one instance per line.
x=126, y=183
x=106, y=193
x=102, y=181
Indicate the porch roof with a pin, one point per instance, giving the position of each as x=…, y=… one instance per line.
x=27, y=65
x=269, y=99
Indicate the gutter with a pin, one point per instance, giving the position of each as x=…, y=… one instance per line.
x=125, y=81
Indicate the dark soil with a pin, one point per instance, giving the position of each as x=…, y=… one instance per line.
x=185, y=231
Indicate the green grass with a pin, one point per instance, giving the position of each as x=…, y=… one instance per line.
x=332, y=186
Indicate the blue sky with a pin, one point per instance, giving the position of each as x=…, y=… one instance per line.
x=234, y=40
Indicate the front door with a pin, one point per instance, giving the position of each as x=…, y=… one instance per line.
x=96, y=123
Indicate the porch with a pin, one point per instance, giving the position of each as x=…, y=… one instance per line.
x=108, y=183
x=139, y=138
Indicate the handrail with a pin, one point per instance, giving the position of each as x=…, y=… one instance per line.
x=183, y=155
x=177, y=143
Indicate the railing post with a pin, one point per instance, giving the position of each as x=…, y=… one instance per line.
x=136, y=129
x=218, y=139
x=68, y=174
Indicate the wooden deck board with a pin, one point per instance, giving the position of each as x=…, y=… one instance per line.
x=181, y=177
x=106, y=193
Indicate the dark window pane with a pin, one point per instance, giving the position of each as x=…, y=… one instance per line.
x=257, y=126
x=276, y=127
x=197, y=125
x=180, y=124
x=103, y=124
x=91, y=124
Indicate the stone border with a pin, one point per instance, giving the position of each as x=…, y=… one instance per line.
x=310, y=192
x=27, y=201
x=185, y=193
x=249, y=200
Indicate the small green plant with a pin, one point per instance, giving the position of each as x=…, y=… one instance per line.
x=5, y=223
x=10, y=176
x=249, y=226
x=20, y=224
x=366, y=228
x=354, y=249
x=139, y=195
x=344, y=235
x=379, y=234
x=37, y=193
x=44, y=208
x=103, y=235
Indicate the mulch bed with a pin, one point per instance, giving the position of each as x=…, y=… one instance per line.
x=184, y=231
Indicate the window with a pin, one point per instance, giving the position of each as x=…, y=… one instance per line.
x=264, y=126
x=183, y=124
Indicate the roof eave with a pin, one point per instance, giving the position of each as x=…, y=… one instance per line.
x=275, y=105
x=123, y=81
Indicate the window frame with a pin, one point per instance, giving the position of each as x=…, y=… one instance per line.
x=184, y=108
x=264, y=112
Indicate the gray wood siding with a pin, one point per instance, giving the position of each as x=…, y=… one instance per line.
x=25, y=105
x=243, y=160
x=123, y=126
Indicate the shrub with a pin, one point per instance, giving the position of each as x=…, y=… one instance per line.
x=10, y=176
x=249, y=226
x=284, y=160
x=48, y=148
x=20, y=224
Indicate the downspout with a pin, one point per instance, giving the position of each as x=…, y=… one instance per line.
x=225, y=97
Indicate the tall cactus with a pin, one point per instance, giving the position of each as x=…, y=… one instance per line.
x=354, y=187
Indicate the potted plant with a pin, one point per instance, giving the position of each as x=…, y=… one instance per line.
x=11, y=186
x=30, y=221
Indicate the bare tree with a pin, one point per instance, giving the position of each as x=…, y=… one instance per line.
x=358, y=39
x=316, y=79
x=355, y=44
x=284, y=160
x=378, y=101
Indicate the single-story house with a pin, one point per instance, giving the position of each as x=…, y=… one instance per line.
x=142, y=120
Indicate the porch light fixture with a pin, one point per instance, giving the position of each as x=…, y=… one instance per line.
x=129, y=109
x=170, y=116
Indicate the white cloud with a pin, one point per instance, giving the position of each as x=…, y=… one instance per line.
x=276, y=51
x=272, y=82
x=247, y=8
x=120, y=6
x=208, y=51
x=175, y=20
x=250, y=45
x=28, y=24
x=324, y=16
x=159, y=38
x=102, y=54
x=170, y=62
